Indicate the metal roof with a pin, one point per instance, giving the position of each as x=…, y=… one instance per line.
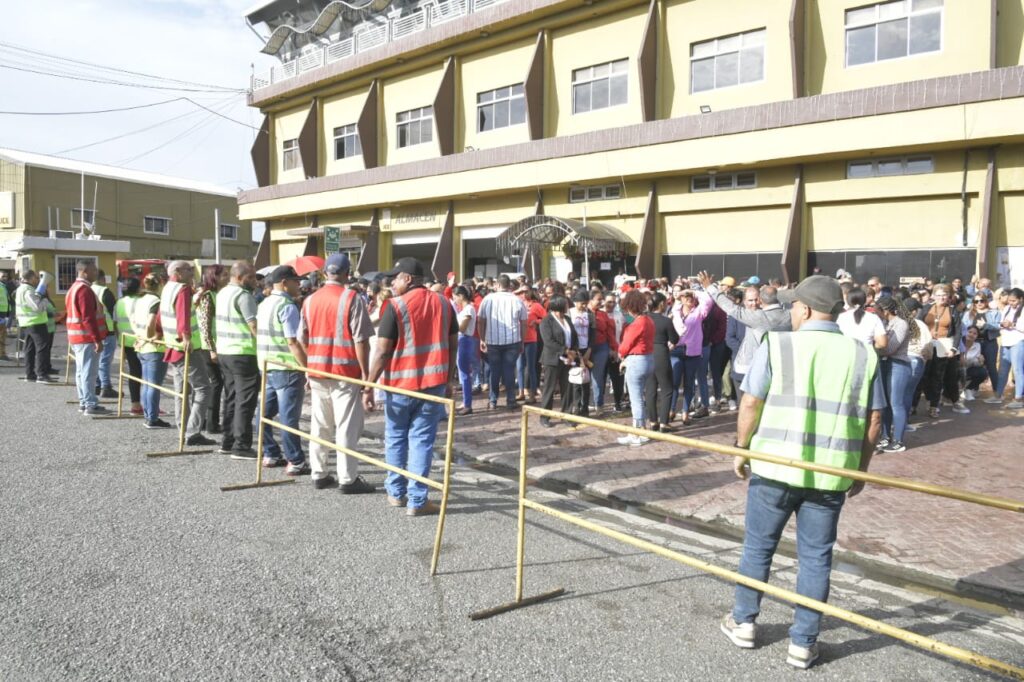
x=538, y=231
x=112, y=172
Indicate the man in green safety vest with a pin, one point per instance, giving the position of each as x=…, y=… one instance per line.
x=277, y=332
x=810, y=395
x=235, y=324
x=30, y=307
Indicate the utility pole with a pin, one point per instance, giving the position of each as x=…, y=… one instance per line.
x=81, y=210
x=216, y=234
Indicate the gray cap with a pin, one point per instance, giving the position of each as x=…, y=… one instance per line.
x=817, y=292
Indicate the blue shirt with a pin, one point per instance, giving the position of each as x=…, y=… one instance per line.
x=289, y=316
x=759, y=377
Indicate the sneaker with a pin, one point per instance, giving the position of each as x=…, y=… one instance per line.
x=740, y=634
x=47, y=380
x=624, y=440
x=882, y=444
x=244, y=454
x=396, y=501
x=158, y=424
x=324, y=483
x=910, y=428
x=960, y=408
x=96, y=410
x=137, y=411
x=225, y=450
x=732, y=406
x=429, y=508
x=933, y=412
x=108, y=393
x=700, y=413
x=81, y=409
x=297, y=469
x=993, y=401
x=199, y=439
x=969, y=395
x=895, y=446
x=637, y=441
x=802, y=657
x=357, y=487
x=1015, y=405
x=273, y=463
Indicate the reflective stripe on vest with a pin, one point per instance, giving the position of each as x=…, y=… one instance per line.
x=77, y=332
x=123, y=310
x=817, y=406
x=140, y=323
x=420, y=359
x=271, y=343
x=26, y=315
x=330, y=348
x=99, y=289
x=233, y=334
x=169, y=313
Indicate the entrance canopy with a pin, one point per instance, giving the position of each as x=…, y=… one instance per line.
x=534, y=234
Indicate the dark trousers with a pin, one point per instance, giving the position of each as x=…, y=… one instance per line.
x=580, y=398
x=720, y=355
x=241, y=394
x=975, y=377
x=131, y=358
x=618, y=382
x=941, y=377
x=211, y=420
x=556, y=376
x=659, y=389
x=37, y=351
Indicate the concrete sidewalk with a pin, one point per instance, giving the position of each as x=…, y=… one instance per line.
x=952, y=545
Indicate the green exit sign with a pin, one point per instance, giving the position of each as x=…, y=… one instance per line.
x=332, y=239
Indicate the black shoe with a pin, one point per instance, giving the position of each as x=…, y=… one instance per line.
x=215, y=430
x=357, y=487
x=96, y=410
x=895, y=446
x=225, y=450
x=243, y=454
x=547, y=423
x=324, y=483
x=47, y=380
x=199, y=439
x=158, y=424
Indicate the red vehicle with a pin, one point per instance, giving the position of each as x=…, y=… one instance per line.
x=140, y=268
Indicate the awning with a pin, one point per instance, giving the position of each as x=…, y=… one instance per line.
x=533, y=234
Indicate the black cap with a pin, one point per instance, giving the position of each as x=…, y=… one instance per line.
x=817, y=292
x=409, y=266
x=283, y=272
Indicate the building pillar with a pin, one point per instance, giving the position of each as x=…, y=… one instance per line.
x=793, y=246
x=646, y=252
x=987, y=213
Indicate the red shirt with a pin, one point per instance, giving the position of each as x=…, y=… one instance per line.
x=605, y=330
x=536, y=314
x=183, y=316
x=638, y=337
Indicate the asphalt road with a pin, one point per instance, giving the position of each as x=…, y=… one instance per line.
x=115, y=566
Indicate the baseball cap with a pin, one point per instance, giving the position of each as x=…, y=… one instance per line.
x=337, y=263
x=817, y=292
x=283, y=272
x=409, y=266
x=754, y=280
x=728, y=282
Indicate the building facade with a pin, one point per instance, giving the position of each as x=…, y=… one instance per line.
x=127, y=215
x=744, y=137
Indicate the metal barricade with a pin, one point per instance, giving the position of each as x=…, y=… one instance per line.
x=870, y=624
x=443, y=487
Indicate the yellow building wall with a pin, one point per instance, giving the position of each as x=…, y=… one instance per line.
x=286, y=250
x=489, y=70
x=1010, y=33
x=337, y=111
x=966, y=42
x=287, y=126
x=774, y=187
x=402, y=94
x=494, y=210
x=901, y=223
x=600, y=40
x=725, y=231
x=694, y=21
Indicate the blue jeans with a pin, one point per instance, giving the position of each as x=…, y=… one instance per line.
x=410, y=427
x=769, y=506
x=502, y=360
x=896, y=374
x=285, y=391
x=599, y=373
x=638, y=369
x=684, y=374
x=106, y=359
x=526, y=369
x=469, y=349
x=702, y=375
x=86, y=369
x=917, y=364
x=153, y=370
x=1011, y=357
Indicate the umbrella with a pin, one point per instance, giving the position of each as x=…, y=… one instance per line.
x=306, y=264
x=371, y=276
x=267, y=270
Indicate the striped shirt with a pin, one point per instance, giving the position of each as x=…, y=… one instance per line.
x=502, y=312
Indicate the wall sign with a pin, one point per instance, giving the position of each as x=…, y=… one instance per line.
x=6, y=210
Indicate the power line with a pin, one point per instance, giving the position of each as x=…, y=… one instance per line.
x=128, y=134
x=113, y=82
x=177, y=137
x=94, y=111
x=112, y=68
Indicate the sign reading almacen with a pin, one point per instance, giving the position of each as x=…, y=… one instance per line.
x=6, y=210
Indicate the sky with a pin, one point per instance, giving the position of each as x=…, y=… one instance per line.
x=204, y=41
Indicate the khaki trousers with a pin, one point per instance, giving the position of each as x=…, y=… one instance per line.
x=337, y=415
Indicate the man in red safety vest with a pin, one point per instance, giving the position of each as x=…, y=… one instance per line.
x=335, y=333
x=416, y=347
x=87, y=328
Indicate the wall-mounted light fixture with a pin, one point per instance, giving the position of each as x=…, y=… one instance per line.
x=705, y=109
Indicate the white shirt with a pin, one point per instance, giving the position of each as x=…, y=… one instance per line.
x=502, y=311
x=567, y=330
x=468, y=312
x=1011, y=337
x=870, y=326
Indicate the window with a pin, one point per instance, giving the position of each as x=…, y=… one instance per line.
x=155, y=225
x=594, y=193
x=905, y=165
x=228, y=231
x=76, y=217
x=600, y=86
x=500, y=108
x=728, y=61
x=346, y=142
x=891, y=30
x=415, y=126
x=290, y=154
x=723, y=181
x=67, y=270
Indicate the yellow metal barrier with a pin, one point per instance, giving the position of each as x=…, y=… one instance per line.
x=444, y=486
x=870, y=624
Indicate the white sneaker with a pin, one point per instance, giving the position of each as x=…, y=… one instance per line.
x=969, y=395
x=625, y=440
x=960, y=408
x=802, y=657
x=910, y=428
x=637, y=441
x=1015, y=405
x=732, y=406
x=993, y=401
x=740, y=634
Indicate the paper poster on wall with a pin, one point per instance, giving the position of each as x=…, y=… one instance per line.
x=606, y=266
x=1009, y=267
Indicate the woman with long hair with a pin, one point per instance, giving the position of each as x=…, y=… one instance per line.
x=983, y=319
x=560, y=348
x=146, y=327
x=1011, y=352
x=688, y=316
x=859, y=323
x=896, y=372
x=526, y=365
x=941, y=376
x=123, y=311
x=215, y=278
x=919, y=351
x=637, y=351
x=658, y=392
x=469, y=345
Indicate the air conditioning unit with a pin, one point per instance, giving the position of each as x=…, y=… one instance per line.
x=62, y=234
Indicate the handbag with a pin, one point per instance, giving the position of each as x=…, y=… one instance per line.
x=579, y=376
